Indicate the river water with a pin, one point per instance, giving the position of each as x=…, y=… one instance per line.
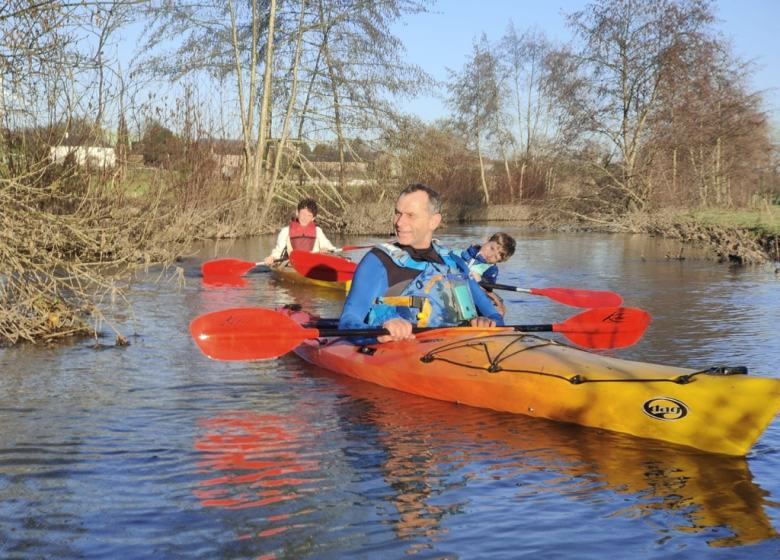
x=155, y=451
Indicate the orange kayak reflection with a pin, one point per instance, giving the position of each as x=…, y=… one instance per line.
x=260, y=454
x=700, y=492
x=427, y=451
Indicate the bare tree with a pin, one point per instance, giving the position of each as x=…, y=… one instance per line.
x=711, y=128
x=332, y=69
x=526, y=63
x=475, y=97
x=61, y=227
x=625, y=49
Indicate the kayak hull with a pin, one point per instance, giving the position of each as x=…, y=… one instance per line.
x=520, y=373
x=282, y=270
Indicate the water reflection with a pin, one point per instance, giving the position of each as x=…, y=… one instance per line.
x=434, y=448
x=224, y=283
x=443, y=467
x=268, y=449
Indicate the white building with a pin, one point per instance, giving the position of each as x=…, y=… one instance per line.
x=102, y=158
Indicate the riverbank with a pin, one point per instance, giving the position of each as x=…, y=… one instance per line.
x=738, y=237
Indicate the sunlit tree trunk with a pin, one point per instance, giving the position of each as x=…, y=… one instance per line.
x=475, y=95
x=258, y=170
x=246, y=99
x=272, y=183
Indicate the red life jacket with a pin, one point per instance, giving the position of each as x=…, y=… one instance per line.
x=302, y=238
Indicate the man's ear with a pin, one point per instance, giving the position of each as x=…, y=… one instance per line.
x=435, y=221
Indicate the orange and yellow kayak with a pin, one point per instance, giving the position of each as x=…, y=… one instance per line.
x=283, y=270
x=719, y=410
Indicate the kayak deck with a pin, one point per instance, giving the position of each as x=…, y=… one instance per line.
x=718, y=410
x=282, y=270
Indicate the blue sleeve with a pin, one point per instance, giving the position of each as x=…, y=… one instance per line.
x=463, y=267
x=484, y=305
x=368, y=283
x=471, y=252
x=491, y=275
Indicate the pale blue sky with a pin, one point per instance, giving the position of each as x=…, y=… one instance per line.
x=443, y=39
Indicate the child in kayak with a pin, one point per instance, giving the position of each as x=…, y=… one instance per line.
x=483, y=260
x=302, y=234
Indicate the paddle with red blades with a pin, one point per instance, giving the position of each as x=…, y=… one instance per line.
x=319, y=266
x=238, y=267
x=252, y=333
x=566, y=296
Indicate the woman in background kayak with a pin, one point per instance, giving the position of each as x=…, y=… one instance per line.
x=301, y=235
x=414, y=281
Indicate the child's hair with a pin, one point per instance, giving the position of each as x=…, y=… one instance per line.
x=506, y=244
x=311, y=205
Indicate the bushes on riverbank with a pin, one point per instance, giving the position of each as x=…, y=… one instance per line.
x=67, y=247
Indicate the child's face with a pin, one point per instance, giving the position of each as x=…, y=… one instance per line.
x=491, y=252
x=305, y=217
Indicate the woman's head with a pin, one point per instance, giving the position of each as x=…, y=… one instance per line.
x=306, y=212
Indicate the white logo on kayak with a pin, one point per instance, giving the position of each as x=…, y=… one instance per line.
x=665, y=408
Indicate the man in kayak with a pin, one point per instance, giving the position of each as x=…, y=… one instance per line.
x=414, y=281
x=302, y=234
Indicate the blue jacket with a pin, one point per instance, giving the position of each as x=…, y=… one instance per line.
x=371, y=282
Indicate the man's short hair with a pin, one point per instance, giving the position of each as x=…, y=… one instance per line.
x=506, y=244
x=434, y=200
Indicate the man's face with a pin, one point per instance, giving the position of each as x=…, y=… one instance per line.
x=305, y=217
x=413, y=224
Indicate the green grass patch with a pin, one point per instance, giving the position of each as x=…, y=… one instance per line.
x=763, y=220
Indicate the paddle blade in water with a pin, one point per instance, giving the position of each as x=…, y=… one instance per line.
x=580, y=298
x=606, y=327
x=226, y=267
x=247, y=333
x=322, y=267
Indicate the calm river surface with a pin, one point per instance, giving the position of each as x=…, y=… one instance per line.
x=155, y=451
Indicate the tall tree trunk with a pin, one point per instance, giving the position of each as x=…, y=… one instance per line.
x=259, y=167
x=336, y=100
x=482, y=167
x=290, y=105
x=246, y=102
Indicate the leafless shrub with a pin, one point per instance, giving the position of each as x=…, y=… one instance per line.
x=64, y=247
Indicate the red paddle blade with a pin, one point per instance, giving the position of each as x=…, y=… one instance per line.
x=580, y=298
x=322, y=267
x=606, y=327
x=226, y=267
x=247, y=333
